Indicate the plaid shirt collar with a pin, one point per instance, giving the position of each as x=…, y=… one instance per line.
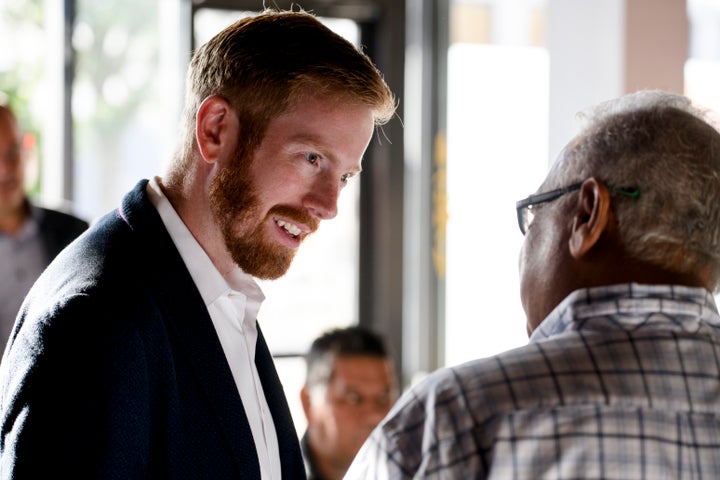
x=631, y=306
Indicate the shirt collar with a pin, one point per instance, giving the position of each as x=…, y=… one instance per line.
x=629, y=305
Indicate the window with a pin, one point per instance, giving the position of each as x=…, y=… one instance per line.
x=126, y=98
x=702, y=69
x=497, y=145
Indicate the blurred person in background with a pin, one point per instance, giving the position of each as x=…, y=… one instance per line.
x=350, y=386
x=621, y=377
x=138, y=353
x=30, y=235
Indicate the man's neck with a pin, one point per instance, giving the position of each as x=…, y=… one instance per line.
x=328, y=470
x=12, y=220
x=192, y=206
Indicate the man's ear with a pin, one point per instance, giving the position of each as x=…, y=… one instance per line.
x=216, y=128
x=305, y=400
x=591, y=217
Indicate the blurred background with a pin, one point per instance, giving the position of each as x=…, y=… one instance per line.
x=424, y=249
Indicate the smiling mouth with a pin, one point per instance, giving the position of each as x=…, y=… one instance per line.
x=292, y=229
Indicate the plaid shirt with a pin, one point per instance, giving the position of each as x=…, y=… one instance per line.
x=619, y=382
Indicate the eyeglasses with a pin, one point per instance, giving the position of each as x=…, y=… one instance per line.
x=525, y=214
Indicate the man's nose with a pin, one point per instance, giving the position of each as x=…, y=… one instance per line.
x=8, y=162
x=322, y=200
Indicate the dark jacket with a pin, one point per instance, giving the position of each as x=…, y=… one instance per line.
x=114, y=369
x=57, y=230
x=313, y=473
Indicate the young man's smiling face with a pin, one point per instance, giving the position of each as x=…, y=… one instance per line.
x=267, y=206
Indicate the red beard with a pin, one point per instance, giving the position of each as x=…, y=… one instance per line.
x=234, y=202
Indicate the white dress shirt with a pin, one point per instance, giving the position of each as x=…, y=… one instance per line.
x=233, y=302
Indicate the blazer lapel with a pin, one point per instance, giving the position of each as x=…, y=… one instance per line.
x=188, y=318
x=291, y=461
x=195, y=330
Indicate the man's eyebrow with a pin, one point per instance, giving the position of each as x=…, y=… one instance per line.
x=311, y=141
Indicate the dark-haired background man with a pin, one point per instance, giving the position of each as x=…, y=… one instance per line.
x=350, y=385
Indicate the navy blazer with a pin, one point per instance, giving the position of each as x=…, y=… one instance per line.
x=114, y=369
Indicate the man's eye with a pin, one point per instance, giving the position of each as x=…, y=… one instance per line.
x=383, y=400
x=352, y=398
x=312, y=158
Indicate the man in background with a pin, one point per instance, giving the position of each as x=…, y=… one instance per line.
x=350, y=386
x=30, y=236
x=621, y=377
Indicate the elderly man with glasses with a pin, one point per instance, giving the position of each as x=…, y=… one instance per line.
x=621, y=377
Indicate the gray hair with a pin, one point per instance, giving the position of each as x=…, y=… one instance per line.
x=663, y=145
